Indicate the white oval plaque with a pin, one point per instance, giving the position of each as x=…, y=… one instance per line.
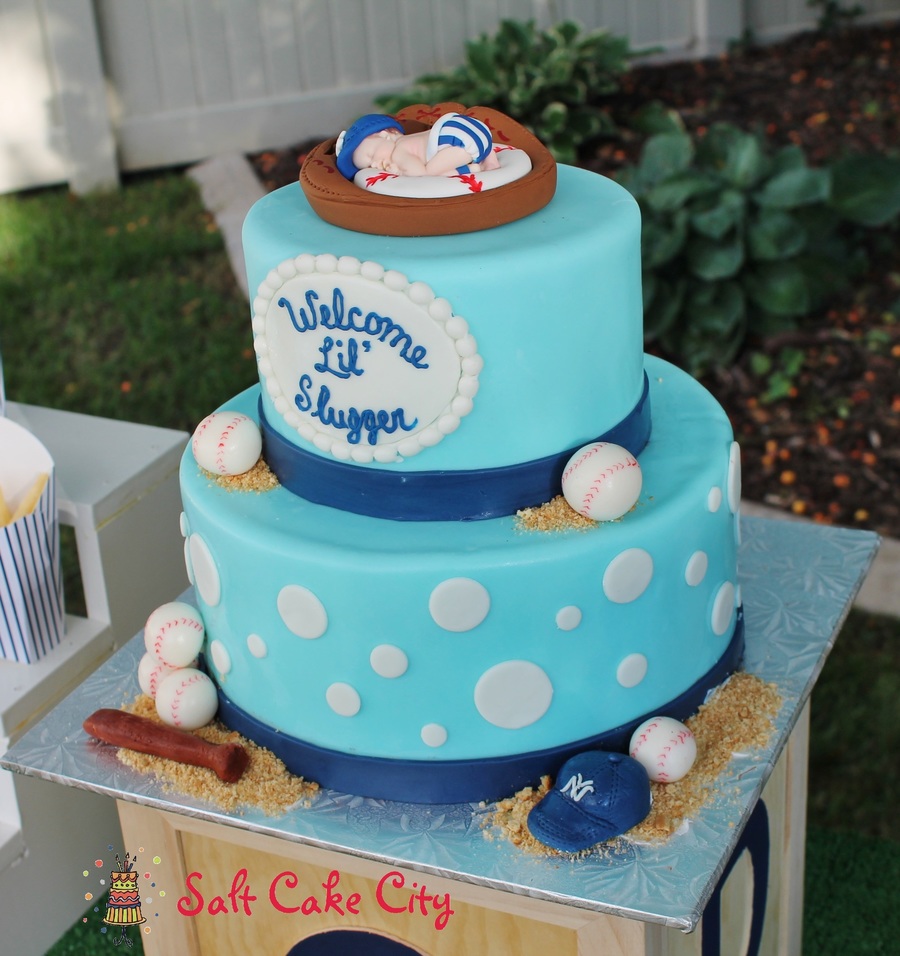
x=360, y=361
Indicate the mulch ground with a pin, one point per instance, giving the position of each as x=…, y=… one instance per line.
x=817, y=410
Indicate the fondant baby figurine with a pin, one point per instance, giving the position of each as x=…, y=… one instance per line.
x=455, y=144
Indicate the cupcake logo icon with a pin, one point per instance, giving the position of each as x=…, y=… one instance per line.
x=123, y=902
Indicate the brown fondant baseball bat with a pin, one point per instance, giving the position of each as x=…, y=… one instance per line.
x=118, y=727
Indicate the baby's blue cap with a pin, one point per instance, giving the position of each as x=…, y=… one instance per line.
x=598, y=795
x=351, y=137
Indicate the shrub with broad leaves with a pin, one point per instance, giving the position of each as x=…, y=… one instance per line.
x=552, y=82
x=739, y=239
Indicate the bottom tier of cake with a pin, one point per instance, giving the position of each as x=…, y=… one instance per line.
x=457, y=661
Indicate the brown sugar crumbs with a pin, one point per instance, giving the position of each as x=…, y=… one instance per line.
x=738, y=718
x=259, y=478
x=266, y=783
x=554, y=515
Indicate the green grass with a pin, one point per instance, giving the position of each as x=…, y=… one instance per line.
x=850, y=894
x=90, y=937
x=125, y=306
x=121, y=305
x=853, y=830
x=854, y=778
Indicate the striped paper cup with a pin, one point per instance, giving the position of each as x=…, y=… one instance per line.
x=32, y=619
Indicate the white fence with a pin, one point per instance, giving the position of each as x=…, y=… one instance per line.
x=92, y=88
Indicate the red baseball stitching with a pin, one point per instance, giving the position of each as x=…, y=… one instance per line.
x=680, y=737
x=583, y=458
x=223, y=439
x=645, y=735
x=200, y=429
x=153, y=680
x=176, y=700
x=594, y=488
x=166, y=626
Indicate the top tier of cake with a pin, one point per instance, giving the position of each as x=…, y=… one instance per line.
x=392, y=365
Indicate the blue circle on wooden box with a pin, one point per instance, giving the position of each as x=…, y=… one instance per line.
x=351, y=942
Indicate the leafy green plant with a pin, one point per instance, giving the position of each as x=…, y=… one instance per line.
x=780, y=375
x=549, y=81
x=833, y=14
x=738, y=240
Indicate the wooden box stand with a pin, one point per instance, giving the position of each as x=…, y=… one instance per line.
x=757, y=907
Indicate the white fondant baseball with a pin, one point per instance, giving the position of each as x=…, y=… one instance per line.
x=227, y=443
x=602, y=481
x=174, y=634
x=666, y=748
x=186, y=699
x=151, y=672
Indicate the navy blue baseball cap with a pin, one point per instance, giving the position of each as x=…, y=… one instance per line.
x=598, y=795
x=351, y=137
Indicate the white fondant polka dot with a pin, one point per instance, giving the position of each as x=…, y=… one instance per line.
x=302, y=612
x=206, y=574
x=434, y=735
x=187, y=560
x=632, y=670
x=459, y=604
x=568, y=618
x=513, y=694
x=714, y=499
x=183, y=525
x=733, y=488
x=388, y=661
x=220, y=657
x=627, y=575
x=257, y=646
x=723, y=608
x=343, y=699
x=734, y=478
x=697, y=565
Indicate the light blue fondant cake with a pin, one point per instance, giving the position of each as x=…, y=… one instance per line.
x=384, y=620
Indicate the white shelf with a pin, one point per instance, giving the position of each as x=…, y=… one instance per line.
x=117, y=486
x=12, y=844
x=28, y=690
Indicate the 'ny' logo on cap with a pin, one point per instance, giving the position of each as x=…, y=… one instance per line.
x=578, y=787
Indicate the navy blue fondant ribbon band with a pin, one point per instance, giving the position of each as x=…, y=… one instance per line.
x=435, y=495
x=461, y=781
